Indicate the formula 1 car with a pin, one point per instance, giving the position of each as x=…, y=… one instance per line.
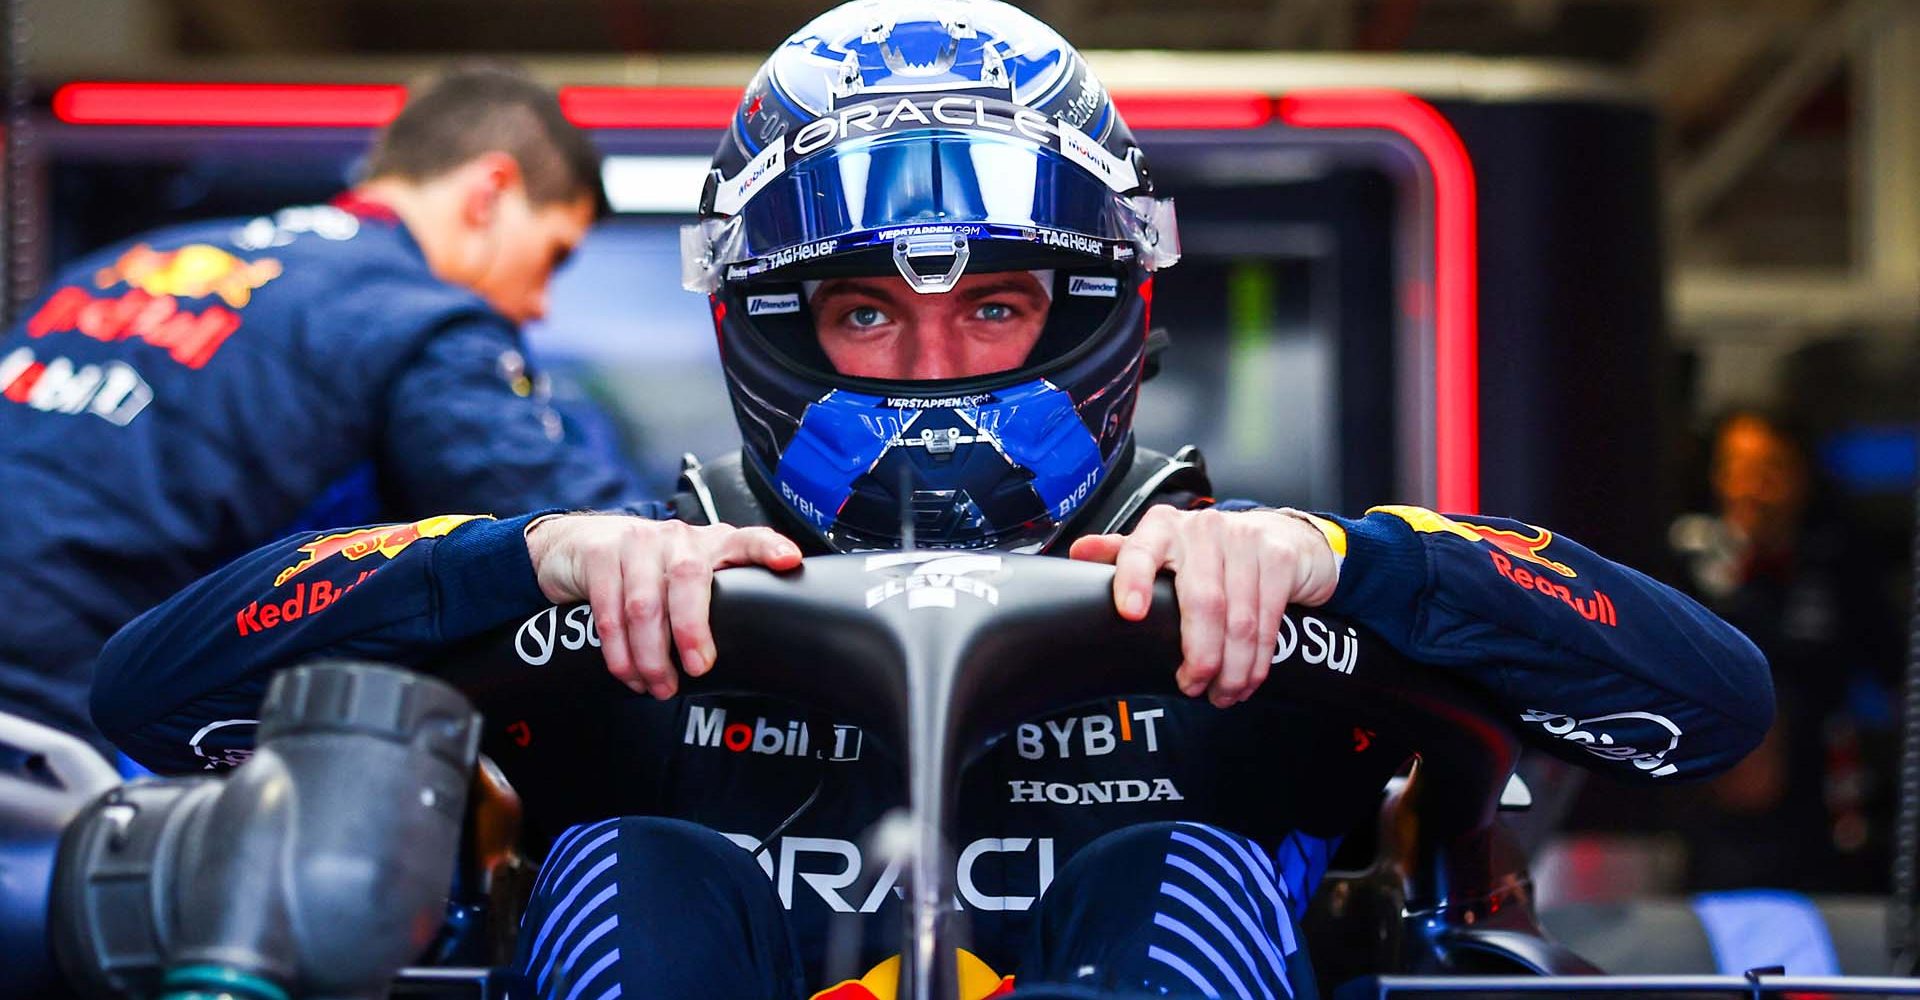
x=163, y=886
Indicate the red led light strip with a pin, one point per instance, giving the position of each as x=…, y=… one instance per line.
x=1195, y=110
x=650, y=107
x=228, y=104
x=1456, y=262
x=370, y=106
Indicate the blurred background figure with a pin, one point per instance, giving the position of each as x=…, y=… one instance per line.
x=1812, y=808
x=205, y=388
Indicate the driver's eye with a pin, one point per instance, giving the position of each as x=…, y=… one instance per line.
x=866, y=317
x=996, y=312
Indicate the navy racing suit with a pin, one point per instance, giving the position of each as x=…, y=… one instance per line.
x=188, y=396
x=1589, y=660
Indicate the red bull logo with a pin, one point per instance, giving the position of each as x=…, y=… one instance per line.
x=256, y=617
x=191, y=338
x=1526, y=546
x=386, y=541
x=1595, y=608
x=1521, y=545
x=978, y=981
x=193, y=271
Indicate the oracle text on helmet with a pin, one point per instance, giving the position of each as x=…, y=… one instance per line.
x=962, y=112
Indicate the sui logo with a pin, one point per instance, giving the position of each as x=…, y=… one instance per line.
x=1318, y=644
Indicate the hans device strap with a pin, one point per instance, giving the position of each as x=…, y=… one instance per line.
x=718, y=493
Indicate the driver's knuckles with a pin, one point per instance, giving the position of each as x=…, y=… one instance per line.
x=1159, y=516
x=686, y=568
x=1203, y=610
x=1243, y=623
x=1154, y=534
x=641, y=604
x=642, y=608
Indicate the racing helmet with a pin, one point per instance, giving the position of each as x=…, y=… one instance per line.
x=929, y=140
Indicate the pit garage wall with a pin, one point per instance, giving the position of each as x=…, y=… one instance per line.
x=1572, y=400
x=1576, y=406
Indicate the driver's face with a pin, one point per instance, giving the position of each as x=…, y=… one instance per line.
x=880, y=328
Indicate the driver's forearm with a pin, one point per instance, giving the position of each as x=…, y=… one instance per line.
x=389, y=592
x=1596, y=662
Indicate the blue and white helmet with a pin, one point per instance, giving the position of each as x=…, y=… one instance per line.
x=930, y=139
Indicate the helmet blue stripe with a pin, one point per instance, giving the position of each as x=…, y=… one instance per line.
x=1042, y=432
x=838, y=441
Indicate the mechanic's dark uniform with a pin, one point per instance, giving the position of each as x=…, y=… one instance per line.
x=183, y=398
x=1125, y=807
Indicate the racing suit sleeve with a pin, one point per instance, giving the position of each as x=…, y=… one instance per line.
x=178, y=686
x=1597, y=663
x=465, y=430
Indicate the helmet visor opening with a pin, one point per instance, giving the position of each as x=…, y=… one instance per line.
x=1053, y=310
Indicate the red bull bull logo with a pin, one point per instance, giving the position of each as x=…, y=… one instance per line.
x=978, y=981
x=1521, y=545
x=193, y=271
x=1527, y=546
x=386, y=541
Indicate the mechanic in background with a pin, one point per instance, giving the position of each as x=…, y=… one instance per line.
x=1811, y=809
x=199, y=391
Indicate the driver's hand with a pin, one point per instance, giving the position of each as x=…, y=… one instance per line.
x=649, y=583
x=1235, y=572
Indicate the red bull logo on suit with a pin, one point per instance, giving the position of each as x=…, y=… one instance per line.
x=386, y=541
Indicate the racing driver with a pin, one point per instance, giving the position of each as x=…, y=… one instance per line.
x=929, y=243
